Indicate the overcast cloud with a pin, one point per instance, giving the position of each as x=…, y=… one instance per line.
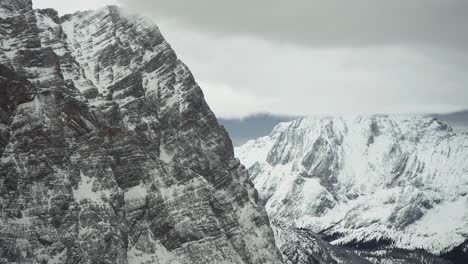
x=322, y=23
x=67, y=7
x=307, y=56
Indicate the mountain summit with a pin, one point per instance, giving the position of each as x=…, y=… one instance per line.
x=109, y=152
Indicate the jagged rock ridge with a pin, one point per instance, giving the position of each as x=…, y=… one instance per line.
x=109, y=153
x=378, y=185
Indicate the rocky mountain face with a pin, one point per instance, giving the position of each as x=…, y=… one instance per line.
x=457, y=120
x=390, y=189
x=109, y=153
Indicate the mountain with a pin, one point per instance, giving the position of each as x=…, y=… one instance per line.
x=254, y=126
x=109, y=152
x=392, y=189
x=458, y=120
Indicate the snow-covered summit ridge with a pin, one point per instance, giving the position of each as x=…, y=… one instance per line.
x=396, y=179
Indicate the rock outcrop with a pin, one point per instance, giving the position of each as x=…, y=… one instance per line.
x=109, y=152
x=392, y=189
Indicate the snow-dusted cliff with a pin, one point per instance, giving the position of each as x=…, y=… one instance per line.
x=109, y=153
x=373, y=182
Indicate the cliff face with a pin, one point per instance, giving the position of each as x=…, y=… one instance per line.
x=109, y=153
x=390, y=188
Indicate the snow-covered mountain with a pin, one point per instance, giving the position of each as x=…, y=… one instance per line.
x=458, y=120
x=367, y=183
x=109, y=152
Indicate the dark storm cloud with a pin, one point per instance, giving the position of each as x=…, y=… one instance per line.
x=323, y=23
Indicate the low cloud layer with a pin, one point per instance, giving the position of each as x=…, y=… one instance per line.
x=322, y=23
x=308, y=56
x=297, y=81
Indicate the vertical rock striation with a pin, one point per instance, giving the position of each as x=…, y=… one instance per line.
x=109, y=153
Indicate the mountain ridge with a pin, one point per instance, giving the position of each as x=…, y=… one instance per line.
x=109, y=152
x=253, y=126
x=374, y=181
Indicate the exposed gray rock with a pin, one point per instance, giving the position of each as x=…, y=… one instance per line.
x=109, y=153
x=301, y=246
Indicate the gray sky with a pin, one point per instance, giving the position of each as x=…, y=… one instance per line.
x=308, y=56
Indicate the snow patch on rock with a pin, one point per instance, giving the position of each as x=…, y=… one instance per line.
x=88, y=190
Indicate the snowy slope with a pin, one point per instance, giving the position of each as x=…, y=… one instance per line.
x=399, y=181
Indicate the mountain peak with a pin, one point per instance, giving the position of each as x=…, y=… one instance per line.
x=109, y=151
x=364, y=179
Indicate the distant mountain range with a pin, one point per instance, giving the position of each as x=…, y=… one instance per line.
x=258, y=125
x=392, y=189
x=458, y=120
x=251, y=127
